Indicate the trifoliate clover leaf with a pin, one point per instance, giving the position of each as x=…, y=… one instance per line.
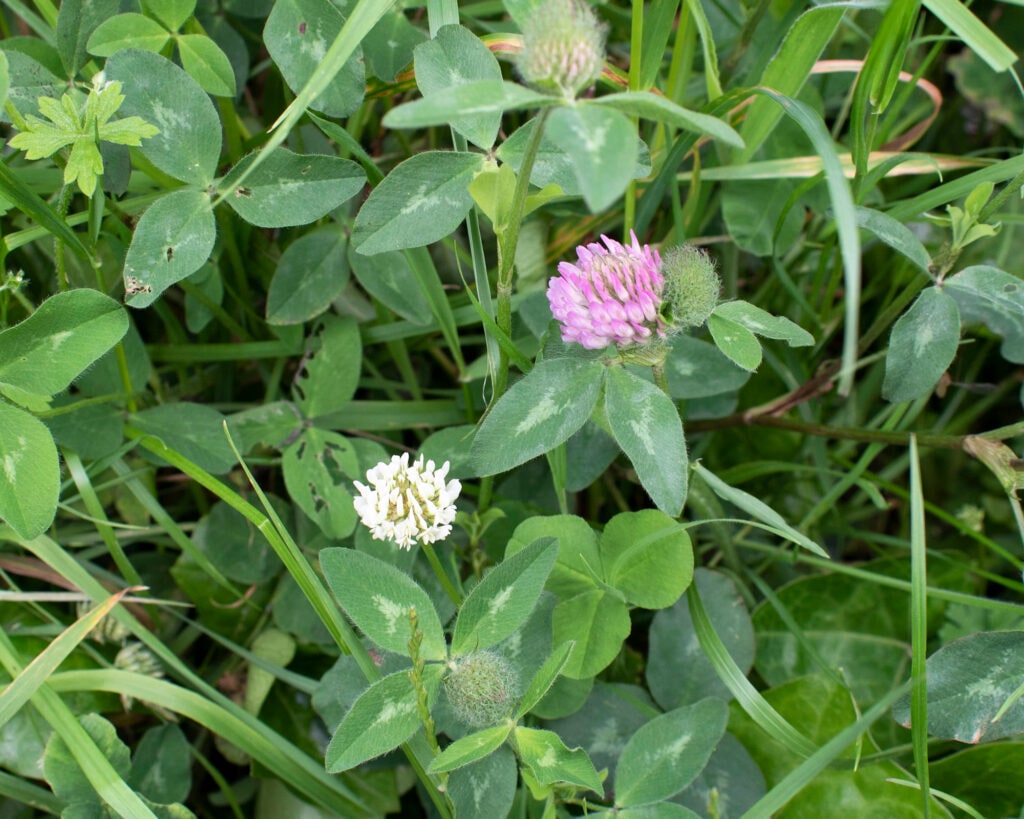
x=83, y=131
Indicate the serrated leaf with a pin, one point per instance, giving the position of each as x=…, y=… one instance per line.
x=666, y=754
x=647, y=557
x=311, y=273
x=922, y=345
x=453, y=58
x=314, y=468
x=384, y=716
x=188, y=143
x=290, y=189
x=541, y=411
x=503, y=600
x=550, y=761
x=645, y=423
x=996, y=299
x=204, y=62
x=970, y=681
x=173, y=239
x=124, y=31
x=470, y=748
x=421, y=201
x=601, y=143
x=895, y=234
x=762, y=323
x=758, y=508
x=378, y=597
x=65, y=335
x=661, y=109
x=298, y=35
x=330, y=377
x=736, y=341
x=30, y=481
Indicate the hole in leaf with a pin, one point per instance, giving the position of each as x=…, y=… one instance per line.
x=243, y=192
x=305, y=169
x=1010, y=288
x=319, y=502
x=170, y=254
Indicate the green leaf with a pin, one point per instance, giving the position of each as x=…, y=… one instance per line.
x=14, y=188
x=645, y=423
x=547, y=758
x=162, y=765
x=969, y=682
x=332, y=374
x=195, y=431
x=235, y=546
x=661, y=109
x=537, y=414
x=996, y=299
x=980, y=39
x=985, y=776
x=204, y=62
x=647, y=557
x=477, y=102
x=762, y=323
x=276, y=648
x=311, y=273
x=658, y=810
x=298, y=35
x=172, y=13
x=578, y=566
x=470, y=748
x=667, y=753
x=697, y=369
x=268, y=424
x=124, y=31
x=597, y=622
x=390, y=44
x=377, y=597
x=5, y=78
x=455, y=57
x=922, y=345
x=555, y=166
x=63, y=771
x=65, y=335
x=421, y=201
x=30, y=483
x=76, y=21
x=390, y=279
x=384, y=716
x=736, y=341
x=291, y=189
x=760, y=510
x=600, y=142
x=544, y=679
x=188, y=144
x=172, y=240
x=678, y=672
x=895, y=234
x=313, y=470
x=503, y=600
x=487, y=787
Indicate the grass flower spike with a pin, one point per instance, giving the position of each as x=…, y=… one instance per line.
x=612, y=295
x=406, y=503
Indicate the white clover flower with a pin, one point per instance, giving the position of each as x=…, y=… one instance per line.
x=407, y=503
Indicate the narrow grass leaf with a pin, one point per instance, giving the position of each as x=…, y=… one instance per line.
x=735, y=680
x=918, y=628
x=21, y=689
x=13, y=187
x=978, y=37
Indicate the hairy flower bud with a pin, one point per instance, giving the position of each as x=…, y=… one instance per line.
x=481, y=688
x=692, y=285
x=563, y=47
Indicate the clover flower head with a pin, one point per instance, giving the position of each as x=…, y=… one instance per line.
x=481, y=687
x=612, y=295
x=407, y=503
x=563, y=47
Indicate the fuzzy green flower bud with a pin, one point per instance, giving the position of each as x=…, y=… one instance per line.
x=692, y=285
x=481, y=688
x=563, y=47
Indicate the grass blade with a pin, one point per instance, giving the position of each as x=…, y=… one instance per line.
x=918, y=629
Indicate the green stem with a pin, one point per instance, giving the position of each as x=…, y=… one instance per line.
x=660, y=378
x=58, y=244
x=442, y=575
x=507, y=241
